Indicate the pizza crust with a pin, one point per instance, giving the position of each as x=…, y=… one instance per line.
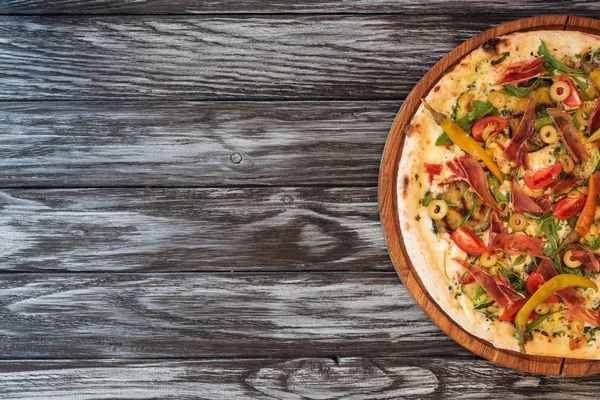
x=430, y=252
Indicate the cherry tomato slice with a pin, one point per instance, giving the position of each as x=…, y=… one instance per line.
x=544, y=177
x=467, y=241
x=466, y=278
x=498, y=122
x=567, y=207
x=534, y=281
x=511, y=311
x=574, y=99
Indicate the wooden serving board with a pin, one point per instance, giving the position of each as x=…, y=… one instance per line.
x=388, y=205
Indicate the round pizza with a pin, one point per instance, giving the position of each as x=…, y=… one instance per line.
x=498, y=193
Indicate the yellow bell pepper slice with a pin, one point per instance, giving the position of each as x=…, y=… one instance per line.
x=559, y=282
x=463, y=140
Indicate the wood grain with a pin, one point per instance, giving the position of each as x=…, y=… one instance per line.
x=388, y=207
x=97, y=144
x=194, y=58
x=154, y=230
x=82, y=316
x=513, y=8
x=300, y=378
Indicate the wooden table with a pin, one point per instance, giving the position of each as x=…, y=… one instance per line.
x=189, y=209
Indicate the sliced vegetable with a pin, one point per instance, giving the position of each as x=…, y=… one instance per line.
x=533, y=283
x=559, y=282
x=511, y=311
x=467, y=241
x=467, y=168
x=582, y=117
x=560, y=91
x=567, y=207
x=542, y=178
x=517, y=222
x=437, y=209
x=498, y=99
x=548, y=134
x=497, y=125
x=586, y=219
x=463, y=140
x=465, y=279
x=488, y=260
x=567, y=163
x=569, y=261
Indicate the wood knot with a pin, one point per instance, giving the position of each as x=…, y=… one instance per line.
x=236, y=158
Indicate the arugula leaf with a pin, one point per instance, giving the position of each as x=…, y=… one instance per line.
x=543, y=120
x=443, y=140
x=552, y=64
x=499, y=60
x=575, y=271
x=572, y=222
x=519, y=91
x=493, y=182
x=480, y=110
x=549, y=227
x=539, y=320
x=582, y=85
x=520, y=260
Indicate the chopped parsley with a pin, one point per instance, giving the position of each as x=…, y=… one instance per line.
x=502, y=58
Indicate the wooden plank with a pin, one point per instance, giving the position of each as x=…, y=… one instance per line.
x=62, y=316
x=268, y=57
x=516, y=8
x=154, y=230
x=300, y=378
x=91, y=144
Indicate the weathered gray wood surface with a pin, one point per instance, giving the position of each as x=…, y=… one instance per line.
x=158, y=230
x=213, y=315
x=459, y=7
x=91, y=144
x=183, y=58
x=302, y=378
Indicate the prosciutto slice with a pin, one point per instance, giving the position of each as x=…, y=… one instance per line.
x=467, y=168
x=516, y=244
x=497, y=287
x=524, y=203
x=569, y=134
x=588, y=257
x=516, y=151
x=567, y=182
x=594, y=122
x=568, y=295
x=522, y=71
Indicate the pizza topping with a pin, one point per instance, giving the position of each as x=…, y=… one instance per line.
x=516, y=244
x=567, y=163
x=567, y=207
x=498, y=99
x=522, y=71
x=546, y=290
x=574, y=98
x=467, y=168
x=548, y=134
x=542, y=178
x=586, y=257
x=467, y=241
x=437, y=209
x=522, y=202
x=591, y=70
x=463, y=140
x=560, y=90
x=497, y=287
x=517, y=222
x=594, y=123
x=432, y=171
x=569, y=134
x=486, y=126
x=511, y=312
x=516, y=151
x=533, y=283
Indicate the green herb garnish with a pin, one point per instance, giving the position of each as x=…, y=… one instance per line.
x=443, y=140
x=552, y=64
x=499, y=60
x=519, y=91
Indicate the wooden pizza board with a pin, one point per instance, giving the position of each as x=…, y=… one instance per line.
x=388, y=205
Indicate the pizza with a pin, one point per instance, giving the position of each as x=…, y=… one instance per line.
x=498, y=193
